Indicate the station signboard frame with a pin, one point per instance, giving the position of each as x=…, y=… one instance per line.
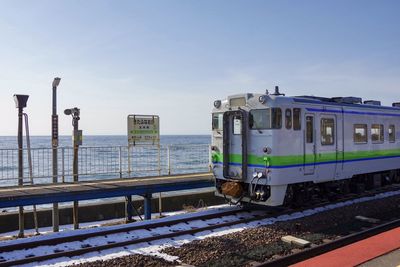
x=143, y=130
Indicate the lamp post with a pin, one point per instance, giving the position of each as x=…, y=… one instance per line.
x=77, y=141
x=54, y=144
x=20, y=103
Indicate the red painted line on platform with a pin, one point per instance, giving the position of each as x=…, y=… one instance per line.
x=357, y=253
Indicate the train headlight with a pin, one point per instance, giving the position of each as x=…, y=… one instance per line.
x=262, y=99
x=217, y=103
x=255, y=174
x=267, y=150
x=214, y=148
x=260, y=175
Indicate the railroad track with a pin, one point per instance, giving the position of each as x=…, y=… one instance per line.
x=125, y=236
x=213, y=221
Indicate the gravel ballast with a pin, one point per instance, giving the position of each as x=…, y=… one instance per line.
x=264, y=243
x=136, y=260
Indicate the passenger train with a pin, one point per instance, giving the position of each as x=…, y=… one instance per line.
x=274, y=150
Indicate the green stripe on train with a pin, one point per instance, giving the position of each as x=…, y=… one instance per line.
x=308, y=158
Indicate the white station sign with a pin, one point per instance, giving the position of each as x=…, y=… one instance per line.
x=143, y=130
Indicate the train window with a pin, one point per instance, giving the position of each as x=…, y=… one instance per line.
x=392, y=133
x=377, y=133
x=217, y=121
x=296, y=119
x=237, y=125
x=360, y=134
x=310, y=129
x=288, y=118
x=276, y=115
x=327, y=131
x=265, y=118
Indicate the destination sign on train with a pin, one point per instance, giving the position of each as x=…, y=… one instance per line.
x=143, y=129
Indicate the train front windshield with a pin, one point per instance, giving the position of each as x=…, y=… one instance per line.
x=270, y=118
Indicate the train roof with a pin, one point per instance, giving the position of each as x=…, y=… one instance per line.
x=350, y=101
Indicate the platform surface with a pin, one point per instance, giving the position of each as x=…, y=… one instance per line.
x=63, y=192
x=359, y=252
x=391, y=259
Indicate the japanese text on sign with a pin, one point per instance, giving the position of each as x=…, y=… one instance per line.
x=143, y=130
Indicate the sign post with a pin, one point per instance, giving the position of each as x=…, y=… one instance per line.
x=144, y=130
x=54, y=144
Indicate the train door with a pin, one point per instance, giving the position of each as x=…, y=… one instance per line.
x=327, y=154
x=309, y=144
x=235, y=128
x=340, y=143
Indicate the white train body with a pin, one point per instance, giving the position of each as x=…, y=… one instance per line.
x=265, y=143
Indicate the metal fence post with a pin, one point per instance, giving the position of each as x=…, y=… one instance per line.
x=209, y=158
x=63, y=164
x=129, y=161
x=120, y=162
x=169, y=159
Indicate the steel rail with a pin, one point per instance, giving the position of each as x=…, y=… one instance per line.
x=79, y=237
x=88, y=248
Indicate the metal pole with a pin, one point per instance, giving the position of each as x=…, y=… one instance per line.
x=20, y=103
x=147, y=206
x=75, y=122
x=128, y=199
x=28, y=146
x=159, y=174
x=54, y=143
x=20, y=171
x=128, y=208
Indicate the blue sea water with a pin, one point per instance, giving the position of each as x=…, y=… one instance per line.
x=102, y=157
x=103, y=140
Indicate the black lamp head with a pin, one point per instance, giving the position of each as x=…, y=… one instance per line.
x=72, y=111
x=56, y=82
x=20, y=100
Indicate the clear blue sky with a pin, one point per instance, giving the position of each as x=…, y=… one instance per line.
x=174, y=58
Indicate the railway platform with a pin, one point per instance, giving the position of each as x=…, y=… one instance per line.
x=378, y=250
x=64, y=192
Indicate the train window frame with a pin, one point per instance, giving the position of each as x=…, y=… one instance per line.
x=296, y=119
x=237, y=125
x=324, y=137
x=288, y=118
x=309, y=129
x=219, y=116
x=392, y=135
x=364, y=139
x=381, y=135
x=275, y=122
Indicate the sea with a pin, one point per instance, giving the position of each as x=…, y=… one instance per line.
x=10, y=142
